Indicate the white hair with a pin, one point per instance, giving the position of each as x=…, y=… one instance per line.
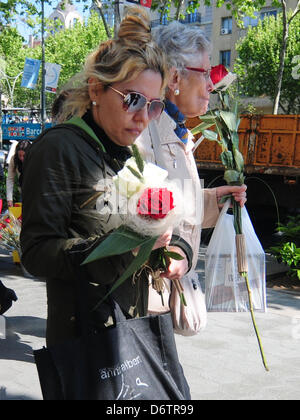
x=181, y=43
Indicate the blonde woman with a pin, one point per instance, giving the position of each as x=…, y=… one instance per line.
x=123, y=83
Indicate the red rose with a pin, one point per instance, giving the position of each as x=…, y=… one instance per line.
x=155, y=203
x=218, y=73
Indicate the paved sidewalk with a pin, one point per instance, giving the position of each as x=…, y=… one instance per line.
x=221, y=363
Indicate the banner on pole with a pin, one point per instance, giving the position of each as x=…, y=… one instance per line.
x=145, y=3
x=30, y=73
x=52, y=76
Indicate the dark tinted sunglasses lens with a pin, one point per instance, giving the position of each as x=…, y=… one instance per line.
x=134, y=102
x=155, y=109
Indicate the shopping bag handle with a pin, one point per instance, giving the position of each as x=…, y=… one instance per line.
x=225, y=207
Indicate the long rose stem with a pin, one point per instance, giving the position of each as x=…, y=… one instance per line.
x=243, y=271
x=245, y=275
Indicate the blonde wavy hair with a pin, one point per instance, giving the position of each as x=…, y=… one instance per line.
x=117, y=60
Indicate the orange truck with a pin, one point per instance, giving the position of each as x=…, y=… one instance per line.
x=270, y=145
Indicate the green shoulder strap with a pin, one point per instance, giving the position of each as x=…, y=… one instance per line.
x=79, y=122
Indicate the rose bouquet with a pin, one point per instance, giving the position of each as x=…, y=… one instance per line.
x=226, y=122
x=149, y=205
x=10, y=228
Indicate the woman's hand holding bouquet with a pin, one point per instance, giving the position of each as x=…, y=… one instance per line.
x=151, y=207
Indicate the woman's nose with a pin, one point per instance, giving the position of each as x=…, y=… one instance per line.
x=142, y=116
x=210, y=85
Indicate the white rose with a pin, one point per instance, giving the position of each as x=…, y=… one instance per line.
x=154, y=175
x=127, y=183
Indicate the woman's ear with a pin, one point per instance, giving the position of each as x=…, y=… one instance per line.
x=94, y=88
x=174, y=79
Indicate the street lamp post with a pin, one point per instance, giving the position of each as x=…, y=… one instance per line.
x=0, y=117
x=43, y=93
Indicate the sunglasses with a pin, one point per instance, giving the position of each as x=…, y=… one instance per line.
x=206, y=73
x=134, y=102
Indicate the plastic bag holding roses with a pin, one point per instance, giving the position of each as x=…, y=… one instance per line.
x=152, y=206
x=226, y=122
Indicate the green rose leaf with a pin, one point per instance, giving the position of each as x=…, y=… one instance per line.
x=210, y=135
x=231, y=176
x=118, y=242
x=227, y=159
x=174, y=255
x=208, y=117
x=201, y=127
x=235, y=139
x=239, y=160
x=229, y=119
x=136, y=264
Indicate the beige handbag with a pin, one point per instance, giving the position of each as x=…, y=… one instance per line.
x=187, y=320
x=191, y=319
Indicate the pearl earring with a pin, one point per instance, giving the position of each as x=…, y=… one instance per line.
x=94, y=103
x=176, y=92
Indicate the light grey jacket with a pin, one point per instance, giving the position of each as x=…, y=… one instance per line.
x=178, y=159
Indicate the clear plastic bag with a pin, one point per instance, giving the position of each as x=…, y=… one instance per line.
x=225, y=288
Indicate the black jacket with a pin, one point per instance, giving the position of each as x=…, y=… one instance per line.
x=59, y=229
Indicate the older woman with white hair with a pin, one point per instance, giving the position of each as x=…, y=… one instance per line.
x=169, y=143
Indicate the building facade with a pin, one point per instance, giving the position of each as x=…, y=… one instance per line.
x=65, y=16
x=222, y=30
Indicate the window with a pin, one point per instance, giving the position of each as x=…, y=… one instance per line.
x=249, y=21
x=226, y=25
x=193, y=15
x=225, y=58
x=268, y=14
x=164, y=18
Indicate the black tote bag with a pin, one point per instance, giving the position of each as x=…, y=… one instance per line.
x=135, y=360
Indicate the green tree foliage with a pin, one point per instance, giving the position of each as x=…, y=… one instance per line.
x=68, y=48
x=259, y=59
x=239, y=8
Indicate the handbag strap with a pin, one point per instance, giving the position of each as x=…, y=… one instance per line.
x=79, y=122
x=82, y=312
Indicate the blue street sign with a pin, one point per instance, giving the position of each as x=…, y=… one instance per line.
x=22, y=131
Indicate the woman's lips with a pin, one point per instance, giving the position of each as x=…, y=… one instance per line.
x=135, y=131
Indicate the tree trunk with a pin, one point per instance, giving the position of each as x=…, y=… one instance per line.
x=99, y=6
x=179, y=7
x=117, y=16
x=163, y=11
x=285, y=38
